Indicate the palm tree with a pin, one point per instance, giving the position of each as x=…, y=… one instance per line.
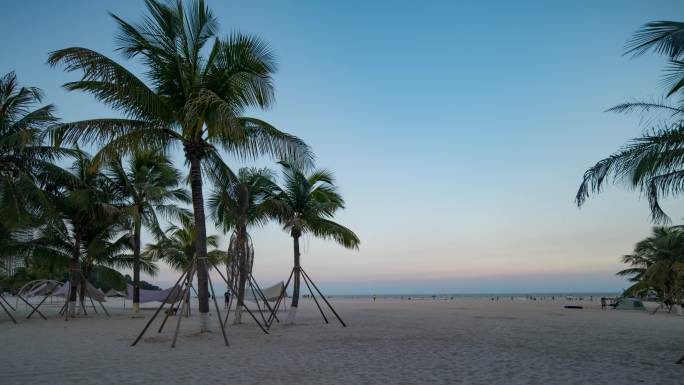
x=103, y=244
x=235, y=208
x=195, y=100
x=665, y=38
x=655, y=264
x=86, y=212
x=653, y=162
x=25, y=160
x=149, y=185
x=307, y=204
x=178, y=246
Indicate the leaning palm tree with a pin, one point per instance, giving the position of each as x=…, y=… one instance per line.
x=236, y=208
x=307, y=204
x=653, y=162
x=148, y=186
x=192, y=96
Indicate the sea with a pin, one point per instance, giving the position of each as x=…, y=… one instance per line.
x=494, y=296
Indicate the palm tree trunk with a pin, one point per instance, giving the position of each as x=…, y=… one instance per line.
x=74, y=272
x=82, y=286
x=242, y=280
x=136, y=264
x=200, y=240
x=86, y=268
x=295, y=290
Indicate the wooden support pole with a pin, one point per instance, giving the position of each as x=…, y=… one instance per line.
x=257, y=304
x=243, y=305
x=8, y=304
x=273, y=317
x=41, y=302
x=31, y=306
x=158, y=310
x=8, y=312
x=173, y=304
x=261, y=294
x=324, y=299
x=218, y=312
x=314, y=298
x=184, y=305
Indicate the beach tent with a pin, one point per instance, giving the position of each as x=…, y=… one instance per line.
x=49, y=288
x=40, y=287
x=630, y=304
x=115, y=293
x=257, y=295
x=154, y=295
x=270, y=293
x=93, y=292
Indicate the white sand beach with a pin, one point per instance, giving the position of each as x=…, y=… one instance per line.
x=460, y=341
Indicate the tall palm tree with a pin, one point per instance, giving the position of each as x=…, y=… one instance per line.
x=25, y=160
x=653, y=162
x=196, y=98
x=307, y=205
x=149, y=185
x=655, y=264
x=236, y=208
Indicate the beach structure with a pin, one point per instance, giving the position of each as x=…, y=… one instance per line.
x=114, y=294
x=50, y=288
x=5, y=305
x=203, y=130
x=177, y=294
x=630, y=304
x=237, y=208
x=40, y=287
x=94, y=295
x=262, y=298
x=297, y=271
x=301, y=199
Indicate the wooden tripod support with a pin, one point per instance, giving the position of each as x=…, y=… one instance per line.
x=307, y=280
x=189, y=273
x=2, y=299
x=234, y=293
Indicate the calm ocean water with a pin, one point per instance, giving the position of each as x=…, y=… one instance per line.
x=500, y=296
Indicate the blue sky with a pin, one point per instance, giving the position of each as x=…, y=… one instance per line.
x=458, y=132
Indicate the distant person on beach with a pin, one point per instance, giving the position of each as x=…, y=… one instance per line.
x=603, y=303
x=374, y=297
x=226, y=299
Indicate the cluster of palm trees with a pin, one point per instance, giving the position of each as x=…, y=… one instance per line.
x=196, y=89
x=657, y=266
x=654, y=164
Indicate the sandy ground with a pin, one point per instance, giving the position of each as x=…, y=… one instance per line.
x=386, y=342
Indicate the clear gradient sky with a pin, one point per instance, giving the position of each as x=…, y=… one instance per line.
x=458, y=131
